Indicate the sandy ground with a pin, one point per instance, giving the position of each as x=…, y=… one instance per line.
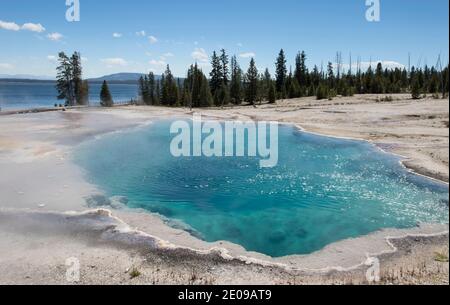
x=39, y=184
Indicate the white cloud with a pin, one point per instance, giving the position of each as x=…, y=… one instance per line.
x=10, y=26
x=199, y=54
x=117, y=35
x=6, y=66
x=168, y=54
x=111, y=62
x=55, y=36
x=247, y=55
x=154, y=62
x=52, y=58
x=33, y=27
x=153, y=39
x=391, y=64
x=387, y=64
x=140, y=33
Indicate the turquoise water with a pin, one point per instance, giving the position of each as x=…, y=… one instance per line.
x=323, y=189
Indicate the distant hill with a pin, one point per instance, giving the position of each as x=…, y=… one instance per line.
x=26, y=77
x=117, y=78
x=120, y=77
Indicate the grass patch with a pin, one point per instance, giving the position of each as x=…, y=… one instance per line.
x=441, y=257
x=134, y=273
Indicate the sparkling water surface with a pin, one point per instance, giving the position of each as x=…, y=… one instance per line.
x=322, y=191
x=26, y=95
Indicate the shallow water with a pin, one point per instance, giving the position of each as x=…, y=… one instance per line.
x=322, y=191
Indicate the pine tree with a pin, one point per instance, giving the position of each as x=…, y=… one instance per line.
x=281, y=73
x=169, y=90
x=198, y=80
x=301, y=71
x=415, y=89
x=266, y=84
x=224, y=71
x=152, y=89
x=105, y=96
x=158, y=93
x=294, y=88
x=205, y=97
x=186, y=98
x=216, y=77
x=64, y=81
x=272, y=94
x=69, y=82
x=315, y=80
x=433, y=81
x=236, y=82
x=330, y=76
x=143, y=90
x=377, y=85
x=322, y=92
x=224, y=95
x=251, y=80
x=77, y=80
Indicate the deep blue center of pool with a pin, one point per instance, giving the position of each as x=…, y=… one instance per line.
x=322, y=191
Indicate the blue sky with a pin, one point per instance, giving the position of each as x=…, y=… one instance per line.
x=150, y=34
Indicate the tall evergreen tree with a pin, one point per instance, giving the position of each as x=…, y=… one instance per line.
x=205, y=97
x=216, y=77
x=251, y=83
x=64, y=80
x=415, y=89
x=377, y=85
x=105, y=96
x=143, y=90
x=77, y=80
x=301, y=71
x=236, y=82
x=69, y=81
x=281, y=72
x=169, y=90
x=294, y=88
x=158, y=92
x=225, y=70
x=330, y=76
x=368, y=80
x=266, y=84
x=272, y=97
x=152, y=89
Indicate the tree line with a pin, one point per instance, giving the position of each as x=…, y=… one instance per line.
x=229, y=84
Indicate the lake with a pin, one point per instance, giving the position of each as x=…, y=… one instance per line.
x=25, y=95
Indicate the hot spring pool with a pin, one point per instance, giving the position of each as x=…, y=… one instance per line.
x=322, y=191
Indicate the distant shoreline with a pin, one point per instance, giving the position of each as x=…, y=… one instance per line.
x=18, y=80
